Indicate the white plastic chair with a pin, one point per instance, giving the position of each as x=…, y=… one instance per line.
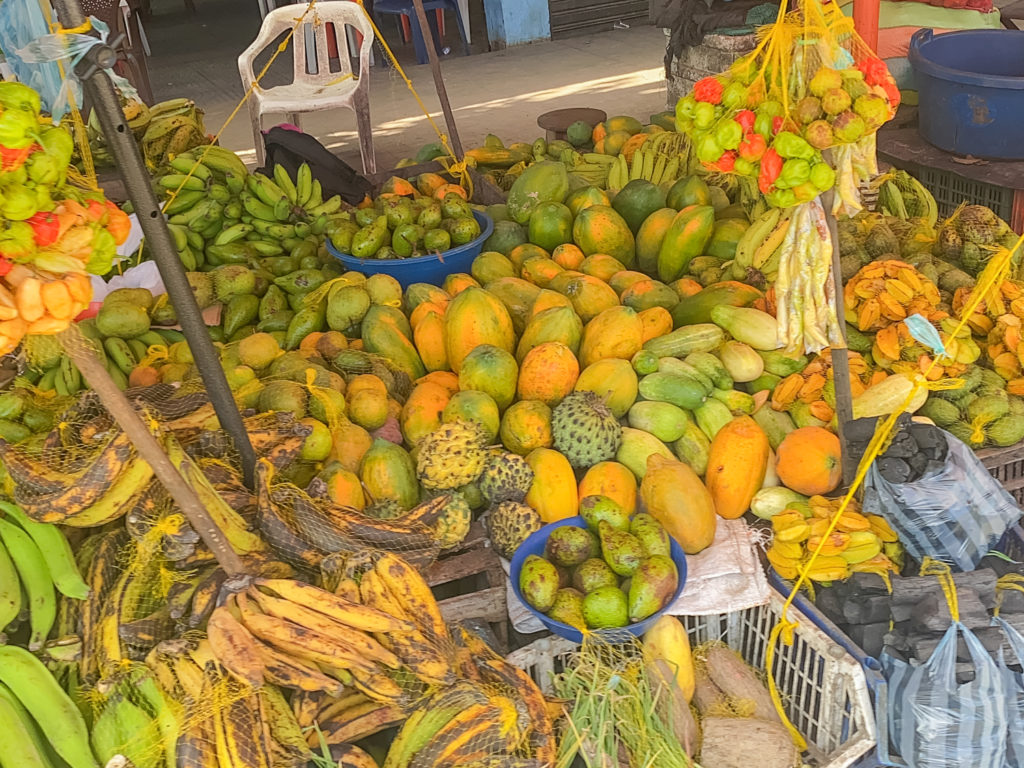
x=319, y=90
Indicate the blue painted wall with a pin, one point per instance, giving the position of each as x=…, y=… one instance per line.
x=514, y=22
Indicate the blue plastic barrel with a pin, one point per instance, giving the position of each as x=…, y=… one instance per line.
x=971, y=90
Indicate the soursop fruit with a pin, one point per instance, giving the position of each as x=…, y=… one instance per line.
x=506, y=477
x=451, y=456
x=584, y=430
x=948, y=243
x=385, y=509
x=881, y=241
x=978, y=224
x=509, y=524
x=453, y=524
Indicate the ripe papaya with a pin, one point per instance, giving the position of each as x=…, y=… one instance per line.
x=649, y=238
x=584, y=197
x=602, y=266
x=517, y=296
x=590, y=296
x=490, y=266
x=540, y=272
x=621, y=281
x=687, y=235
x=548, y=373
x=617, y=332
x=568, y=256
x=492, y=370
x=422, y=411
x=600, y=229
x=540, y=182
x=614, y=381
x=645, y=294
x=553, y=493
x=476, y=317
x=526, y=426
x=560, y=324
x=611, y=479
x=383, y=335
x=388, y=473
x=429, y=338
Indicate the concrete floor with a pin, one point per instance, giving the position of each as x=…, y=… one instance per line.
x=499, y=92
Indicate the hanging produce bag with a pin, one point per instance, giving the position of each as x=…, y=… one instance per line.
x=810, y=85
x=935, y=722
x=955, y=512
x=1015, y=690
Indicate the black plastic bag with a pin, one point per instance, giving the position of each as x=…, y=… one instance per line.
x=291, y=149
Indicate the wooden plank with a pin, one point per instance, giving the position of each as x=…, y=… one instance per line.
x=460, y=566
x=488, y=604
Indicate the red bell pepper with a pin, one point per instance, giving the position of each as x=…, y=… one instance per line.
x=771, y=167
x=746, y=118
x=708, y=89
x=753, y=147
x=726, y=163
x=45, y=228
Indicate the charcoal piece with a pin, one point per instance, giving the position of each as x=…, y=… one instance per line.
x=1012, y=602
x=931, y=615
x=918, y=465
x=870, y=637
x=866, y=584
x=867, y=610
x=901, y=447
x=991, y=638
x=897, y=638
x=901, y=612
x=860, y=431
x=926, y=436
x=829, y=602
x=894, y=470
x=908, y=590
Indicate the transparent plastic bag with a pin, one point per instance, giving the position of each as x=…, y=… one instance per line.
x=935, y=722
x=21, y=22
x=69, y=48
x=955, y=513
x=1014, y=695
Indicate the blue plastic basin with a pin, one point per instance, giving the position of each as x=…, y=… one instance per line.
x=971, y=90
x=432, y=268
x=534, y=545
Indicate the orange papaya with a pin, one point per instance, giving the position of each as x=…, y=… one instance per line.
x=600, y=229
x=649, y=238
x=617, y=332
x=475, y=317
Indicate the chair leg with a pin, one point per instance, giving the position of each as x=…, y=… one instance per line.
x=256, y=118
x=294, y=117
x=364, y=127
x=418, y=42
x=462, y=28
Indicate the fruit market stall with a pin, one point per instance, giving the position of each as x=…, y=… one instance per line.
x=566, y=404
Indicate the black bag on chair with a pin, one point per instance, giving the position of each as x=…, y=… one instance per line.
x=291, y=149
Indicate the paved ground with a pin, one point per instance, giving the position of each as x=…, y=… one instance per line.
x=502, y=92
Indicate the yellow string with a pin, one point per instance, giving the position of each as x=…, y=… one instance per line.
x=81, y=29
x=1007, y=581
x=993, y=274
x=931, y=567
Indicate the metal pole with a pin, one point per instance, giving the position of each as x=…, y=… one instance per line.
x=150, y=449
x=100, y=91
x=840, y=355
x=435, y=68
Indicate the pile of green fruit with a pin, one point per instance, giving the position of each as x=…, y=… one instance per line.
x=613, y=572
x=406, y=223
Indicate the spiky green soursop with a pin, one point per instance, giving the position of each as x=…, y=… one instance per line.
x=385, y=509
x=881, y=241
x=506, y=477
x=451, y=455
x=453, y=524
x=584, y=430
x=948, y=243
x=977, y=224
x=509, y=524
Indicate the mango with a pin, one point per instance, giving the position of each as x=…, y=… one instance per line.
x=652, y=586
x=569, y=546
x=606, y=608
x=620, y=549
x=653, y=538
x=597, y=509
x=568, y=608
x=593, y=574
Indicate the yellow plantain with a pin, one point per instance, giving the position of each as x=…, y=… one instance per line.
x=462, y=738
x=413, y=593
x=348, y=589
x=352, y=639
x=281, y=728
x=116, y=502
x=376, y=684
x=356, y=723
x=543, y=737
x=344, y=611
x=288, y=672
x=296, y=640
x=771, y=243
x=421, y=656
x=235, y=647
x=375, y=594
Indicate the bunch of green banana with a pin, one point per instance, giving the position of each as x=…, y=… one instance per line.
x=646, y=164
x=758, y=247
x=42, y=726
x=35, y=560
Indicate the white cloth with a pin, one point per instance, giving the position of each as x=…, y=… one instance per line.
x=725, y=577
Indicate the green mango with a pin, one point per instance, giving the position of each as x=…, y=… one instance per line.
x=306, y=321
x=240, y=311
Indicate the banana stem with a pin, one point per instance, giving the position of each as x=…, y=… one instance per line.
x=95, y=373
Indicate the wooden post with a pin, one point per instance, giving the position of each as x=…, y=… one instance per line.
x=840, y=355
x=865, y=21
x=435, y=68
x=149, y=448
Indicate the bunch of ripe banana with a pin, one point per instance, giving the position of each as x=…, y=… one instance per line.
x=903, y=196
x=647, y=163
x=42, y=726
x=759, y=247
x=857, y=544
x=218, y=213
x=304, y=531
x=36, y=562
x=174, y=127
x=211, y=720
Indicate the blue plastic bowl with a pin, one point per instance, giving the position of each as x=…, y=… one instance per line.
x=535, y=544
x=432, y=268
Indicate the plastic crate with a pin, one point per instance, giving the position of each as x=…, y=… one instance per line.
x=950, y=189
x=1012, y=545
x=1007, y=466
x=826, y=689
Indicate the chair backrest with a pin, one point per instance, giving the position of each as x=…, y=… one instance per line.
x=337, y=12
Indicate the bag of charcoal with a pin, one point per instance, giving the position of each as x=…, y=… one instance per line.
x=943, y=713
x=938, y=497
x=1012, y=664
